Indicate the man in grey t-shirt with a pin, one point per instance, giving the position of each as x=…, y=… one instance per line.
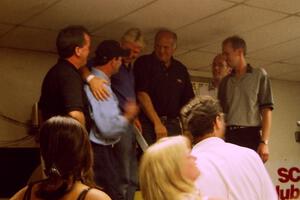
x=246, y=98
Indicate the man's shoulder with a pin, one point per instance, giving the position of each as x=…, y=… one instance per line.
x=179, y=64
x=144, y=58
x=259, y=70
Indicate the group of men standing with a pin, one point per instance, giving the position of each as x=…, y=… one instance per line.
x=107, y=105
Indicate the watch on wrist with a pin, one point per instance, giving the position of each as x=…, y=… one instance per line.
x=264, y=142
x=89, y=78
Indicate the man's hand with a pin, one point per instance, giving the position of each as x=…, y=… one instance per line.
x=97, y=87
x=160, y=130
x=131, y=110
x=137, y=124
x=263, y=151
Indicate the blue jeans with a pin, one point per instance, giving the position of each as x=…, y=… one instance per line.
x=125, y=152
x=172, y=125
x=106, y=175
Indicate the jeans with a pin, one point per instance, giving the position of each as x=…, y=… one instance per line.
x=172, y=125
x=106, y=175
x=125, y=151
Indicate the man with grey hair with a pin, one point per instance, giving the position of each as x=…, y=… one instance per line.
x=123, y=86
x=227, y=170
x=163, y=86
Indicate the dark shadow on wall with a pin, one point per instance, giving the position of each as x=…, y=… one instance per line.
x=16, y=167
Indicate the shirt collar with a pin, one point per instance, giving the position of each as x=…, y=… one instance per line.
x=208, y=142
x=161, y=62
x=249, y=70
x=101, y=74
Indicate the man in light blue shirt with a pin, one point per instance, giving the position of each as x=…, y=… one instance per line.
x=108, y=122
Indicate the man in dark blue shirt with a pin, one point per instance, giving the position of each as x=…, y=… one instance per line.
x=163, y=86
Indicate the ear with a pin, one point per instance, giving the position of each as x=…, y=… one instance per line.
x=218, y=122
x=78, y=51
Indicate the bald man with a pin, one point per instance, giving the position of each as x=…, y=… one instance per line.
x=163, y=86
x=219, y=69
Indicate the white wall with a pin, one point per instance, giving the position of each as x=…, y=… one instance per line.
x=22, y=73
x=284, y=150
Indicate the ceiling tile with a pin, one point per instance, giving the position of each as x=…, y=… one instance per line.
x=232, y=21
x=195, y=59
x=89, y=13
x=257, y=63
x=273, y=33
x=277, y=69
x=168, y=13
x=288, y=6
x=292, y=76
x=17, y=12
x=4, y=28
x=295, y=60
x=29, y=38
x=279, y=52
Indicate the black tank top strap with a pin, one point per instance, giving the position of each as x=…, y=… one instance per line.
x=83, y=194
x=27, y=195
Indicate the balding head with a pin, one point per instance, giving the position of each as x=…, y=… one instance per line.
x=165, y=45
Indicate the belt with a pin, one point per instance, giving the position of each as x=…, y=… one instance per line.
x=234, y=127
x=166, y=118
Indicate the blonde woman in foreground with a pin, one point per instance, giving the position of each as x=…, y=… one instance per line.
x=168, y=171
x=67, y=154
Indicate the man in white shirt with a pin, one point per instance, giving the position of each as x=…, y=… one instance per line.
x=227, y=170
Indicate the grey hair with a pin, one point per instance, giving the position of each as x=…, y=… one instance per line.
x=134, y=35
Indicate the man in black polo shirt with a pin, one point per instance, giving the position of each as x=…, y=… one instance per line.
x=163, y=86
x=62, y=89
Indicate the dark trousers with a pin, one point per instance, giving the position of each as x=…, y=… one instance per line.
x=244, y=136
x=172, y=125
x=106, y=175
x=125, y=151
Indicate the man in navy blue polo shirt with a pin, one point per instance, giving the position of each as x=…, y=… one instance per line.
x=163, y=86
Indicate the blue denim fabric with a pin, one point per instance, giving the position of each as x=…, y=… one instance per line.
x=125, y=151
x=105, y=174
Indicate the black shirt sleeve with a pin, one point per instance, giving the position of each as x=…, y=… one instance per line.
x=71, y=90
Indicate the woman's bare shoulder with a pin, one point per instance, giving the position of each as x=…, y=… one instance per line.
x=96, y=194
x=20, y=194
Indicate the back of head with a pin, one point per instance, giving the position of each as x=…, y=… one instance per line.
x=200, y=115
x=68, y=39
x=107, y=50
x=237, y=43
x=134, y=35
x=160, y=175
x=66, y=152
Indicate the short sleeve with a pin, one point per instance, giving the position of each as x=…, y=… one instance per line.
x=71, y=89
x=265, y=96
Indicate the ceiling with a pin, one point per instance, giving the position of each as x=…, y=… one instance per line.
x=271, y=28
